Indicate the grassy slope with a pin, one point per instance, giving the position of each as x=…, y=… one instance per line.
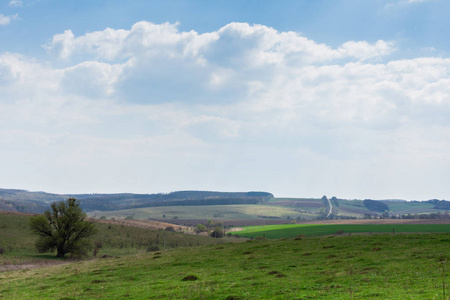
x=304, y=208
x=18, y=242
x=355, y=267
x=404, y=208
x=353, y=208
x=290, y=231
x=231, y=212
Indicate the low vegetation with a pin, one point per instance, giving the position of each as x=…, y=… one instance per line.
x=18, y=243
x=409, y=266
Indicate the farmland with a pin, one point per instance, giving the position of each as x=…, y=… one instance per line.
x=294, y=230
x=229, y=212
x=224, y=206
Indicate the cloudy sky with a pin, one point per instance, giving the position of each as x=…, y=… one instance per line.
x=303, y=98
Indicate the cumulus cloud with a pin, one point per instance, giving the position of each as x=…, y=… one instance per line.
x=243, y=99
x=231, y=45
x=5, y=20
x=163, y=64
x=256, y=68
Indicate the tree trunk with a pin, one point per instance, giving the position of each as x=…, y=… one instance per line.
x=60, y=253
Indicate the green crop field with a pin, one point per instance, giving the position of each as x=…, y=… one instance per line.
x=293, y=230
x=404, y=266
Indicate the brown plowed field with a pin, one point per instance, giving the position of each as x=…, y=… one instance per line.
x=296, y=203
x=151, y=224
x=7, y=212
x=133, y=223
x=142, y=224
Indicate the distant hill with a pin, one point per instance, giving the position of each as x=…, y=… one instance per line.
x=107, y=202
x=38, y=202
x=25, y=201
x=268, y=207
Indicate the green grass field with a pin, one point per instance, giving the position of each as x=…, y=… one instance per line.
x=293, y=230
x=406, y=266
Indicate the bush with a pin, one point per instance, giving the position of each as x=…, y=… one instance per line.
x=200, y=228
x=190, y=278
x=153, y=248
x=217, y=233
x=170, y=228
x=97, y=247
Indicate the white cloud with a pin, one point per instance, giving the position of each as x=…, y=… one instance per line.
x=227, y=108
x=5, y=20
x=232, y=45
x=15, y=3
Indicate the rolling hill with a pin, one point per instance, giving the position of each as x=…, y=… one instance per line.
x=184, y=206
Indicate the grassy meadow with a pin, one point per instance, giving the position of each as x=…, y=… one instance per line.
x=406, y=266
x=294, y=230
x=295, y=261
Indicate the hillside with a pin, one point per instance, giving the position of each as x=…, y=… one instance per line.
x=183, y=207
x=38, y=202
x=116, y=237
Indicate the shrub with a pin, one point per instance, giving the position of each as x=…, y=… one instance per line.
x=200, y=228
x=217, y=233
x=190, y=278
x=152, y=248
x=170, y=228
x=97, y=247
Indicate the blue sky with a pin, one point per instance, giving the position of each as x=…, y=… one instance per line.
x=298, y=98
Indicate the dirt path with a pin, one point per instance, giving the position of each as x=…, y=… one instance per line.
x=32, y=264
x=331, y=208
